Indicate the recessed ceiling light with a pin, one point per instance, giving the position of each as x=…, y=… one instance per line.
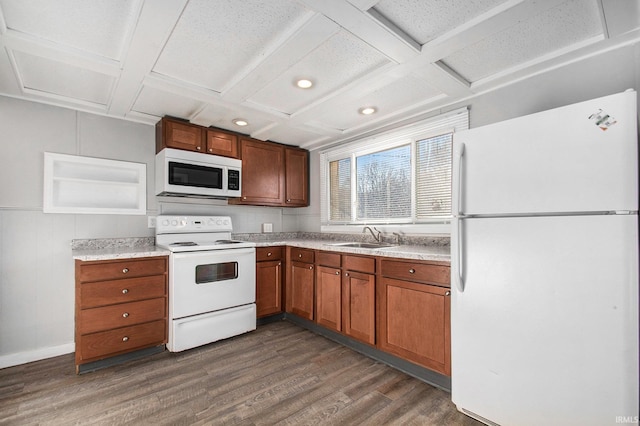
x=240, y=122
x=304, y=83
x=367, y=110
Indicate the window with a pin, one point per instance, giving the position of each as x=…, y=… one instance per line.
x=403, y=177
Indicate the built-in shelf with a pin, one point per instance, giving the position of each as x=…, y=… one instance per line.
x=76, y=184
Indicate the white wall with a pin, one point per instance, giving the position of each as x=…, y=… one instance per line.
x=36, y=268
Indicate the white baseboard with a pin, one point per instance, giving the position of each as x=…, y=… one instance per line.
x=19, y=358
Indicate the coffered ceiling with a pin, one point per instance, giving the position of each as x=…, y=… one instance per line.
x=212, y=61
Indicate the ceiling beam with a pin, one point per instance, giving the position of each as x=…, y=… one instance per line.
x=157, y=20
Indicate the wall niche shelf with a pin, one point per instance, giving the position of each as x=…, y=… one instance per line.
x=76, y=184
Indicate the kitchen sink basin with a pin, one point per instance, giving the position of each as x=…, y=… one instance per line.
x=362, y=245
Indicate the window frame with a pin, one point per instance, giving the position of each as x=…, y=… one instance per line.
x=456, y=120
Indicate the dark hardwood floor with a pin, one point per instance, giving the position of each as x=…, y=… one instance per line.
x=278, y=374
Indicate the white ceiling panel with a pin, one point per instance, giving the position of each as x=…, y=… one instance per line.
x=100, y=27
x=555, y=29
x=156, y=102
x=62, y=80
x=215, y=40
x=294, y=135
x=337, y=62
x=222, y=116
x=389, y=100
x=425, y=20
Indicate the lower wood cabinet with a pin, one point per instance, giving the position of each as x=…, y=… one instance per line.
x=414, y=317
x=359, y=306
x=300, y=287
x=329, y=297
x=269, y=266
x=400, y=306
x=121, y=306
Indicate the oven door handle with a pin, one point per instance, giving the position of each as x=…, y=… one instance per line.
x=226, y=252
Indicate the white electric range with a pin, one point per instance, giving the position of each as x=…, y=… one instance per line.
x=211, y=280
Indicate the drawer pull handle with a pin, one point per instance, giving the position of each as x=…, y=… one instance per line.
x=447, y=293
x=125, y=315
x=412, y=271
x=125, y=290
x=268, y=254
x=125, y=270
x=125, y=339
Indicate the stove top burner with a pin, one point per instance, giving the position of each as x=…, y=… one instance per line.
x=227, y=242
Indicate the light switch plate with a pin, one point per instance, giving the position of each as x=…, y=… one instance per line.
x=151, y=221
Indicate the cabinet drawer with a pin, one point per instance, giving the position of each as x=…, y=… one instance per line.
x=121, y=340
x=121, y=291
x=302, y=255
x=125, y=314
x=329, y=259
x=359, y=263
x=416, y=271
x=268, y=253
x=104, y=271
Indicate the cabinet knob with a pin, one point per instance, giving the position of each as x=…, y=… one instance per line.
x=125, y=290
x=447, y=293
x=198, y=148
x=412, y=271
x=125, y=315
x=279, y=263
x=244, y=198
x=337, y=272
x=125, y=339
x=346, y=274
x=288, y=200
x=268, y=254
x=125, y=270
x=210, y=150
x=311, y=267
x=300, y=255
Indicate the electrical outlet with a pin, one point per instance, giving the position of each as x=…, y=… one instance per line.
x=267, y=227
x=151, y=221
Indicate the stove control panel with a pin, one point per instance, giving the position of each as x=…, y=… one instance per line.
x=185, y=224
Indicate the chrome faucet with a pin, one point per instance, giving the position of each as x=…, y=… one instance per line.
x=377, y=236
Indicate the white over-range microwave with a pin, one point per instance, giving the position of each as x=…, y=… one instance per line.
x=194, y=174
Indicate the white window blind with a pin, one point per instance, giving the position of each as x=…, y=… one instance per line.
x=403, y=176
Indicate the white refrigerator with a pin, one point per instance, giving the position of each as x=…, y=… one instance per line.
x=544, y=267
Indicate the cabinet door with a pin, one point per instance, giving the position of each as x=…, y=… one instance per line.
x=414, y=323
x=297, y=177
x=329, y=298
x=359, y=306
x=263, y=180
x=301, y=290
x=178, y=135
x=268, y=288
x=222, y=143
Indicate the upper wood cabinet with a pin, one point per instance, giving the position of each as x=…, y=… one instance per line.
x=262, y=173
x=222, y=143
x=297, y=177
x=178, y=134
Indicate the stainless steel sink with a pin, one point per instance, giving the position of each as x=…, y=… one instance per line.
x=363, y=245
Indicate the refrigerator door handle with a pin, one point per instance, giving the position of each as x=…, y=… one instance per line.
x=458, y=201
x=459, y=263
x=459, y=278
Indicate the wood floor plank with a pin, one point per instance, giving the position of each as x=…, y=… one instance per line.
x=279, y=374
